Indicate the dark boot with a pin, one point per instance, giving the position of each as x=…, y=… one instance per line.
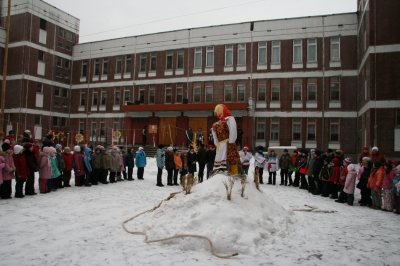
x=269, y=179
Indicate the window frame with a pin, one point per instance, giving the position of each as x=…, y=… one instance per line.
x=81, y=126
x=169, y=59
x=36, y=119
x=180, y=57
x=209, y=86
x=143, y=59
x=241, y=47
x=296, y=121
x=312, y=82
x=197, y=92
x=333, y=42
x=55, y=121
x=128, y=63
x=262, y=47
x=309, y=45
x=58, y=61
x=228, y=85
x=297, y=82
x=57, y=91
x=118, y=65
x=104, y=71
x=240, y=84
x=142, y=93
x=127, y=91
x=229, y=49
x=275, y=83
x=68, y=35
x=210, y=51
x=334, y=122
x=96, y=71
x=61, y=32
x=297, y=47
x=117, y=96
x=179, y=93
x=42, y=24
x=95, y=97
x=262, y=83
x=103, y=100
x=311, y=122
x=41, y=56
x=82, y=98
x=67, y=64
x=84, y=69
x=260, y=133
x=334, y=82
x=275, y=45
x=39, y=87
x=198, y=61
x=152, y=94
x=168, y=93
x=153, y=61
x=397, y=117
x=274, y=135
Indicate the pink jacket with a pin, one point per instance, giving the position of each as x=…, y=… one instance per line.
x=388, y=179
x=121, y=167
x=360, y=171
x=2, y=165
x=45, y=166
x=9, y=168
x=350, y=183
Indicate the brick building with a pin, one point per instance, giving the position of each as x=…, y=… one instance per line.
x=313, y=82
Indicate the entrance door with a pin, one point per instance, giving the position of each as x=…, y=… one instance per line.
x=199, y=122
x=167, y=130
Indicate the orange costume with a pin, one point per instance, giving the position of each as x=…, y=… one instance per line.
x=224, y=133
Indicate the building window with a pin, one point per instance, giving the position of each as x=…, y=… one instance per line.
x=84, y=68
x=240, y=91
x=102, y=127
x=83, y=98
x=55, y=121
x=67, y=63
x=128, y=61
x=67, y=47
x=312, y=50
x=275, y=128
x=65, y=93
x=179, y=93
x=197, y=92
x=335, y=48
x=398, y=117
x=297, y=51
x=261, y=95
x=197, y=57
x=312, y=89
x=56, y=105
x=116, y=124
x=127, y=94
x=210, y=56
x=141, y=94
x=60, y=44
x=262, y=52
x=335, y=89
x=39, y=87
x=58, y=61
x=229, y=55
x=296, y=128
x=42, y=24
x=41, y=56
x=94, y=129
x=153, y=61
x=103, y=96
x=334, y=129
x=95, y=97
x=152, y=94
x=209, y=91
x=68, y=35
x=37, y=120
x=57, y=92
x=143, y=62
x=260, y=128
x=311, y=127
x=275, y=89
x=180, y=58
x=228, y=91
x=276, y=52
x=96, y=67
x=297, y=90
x=105, y=65
x=118, y=69
x=61, y=32
x=81, y=126
x=117, y=96
x=241, y=54
x=170, y=55
x=59, y=74
x=63, y=122
x=168, y=93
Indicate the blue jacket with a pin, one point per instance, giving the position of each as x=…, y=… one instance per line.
x=160, y=158
x=54, y=167
x=140, y=159
x=87, y=159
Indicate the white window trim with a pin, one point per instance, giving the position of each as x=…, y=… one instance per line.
x=226, y=50
x=316, y=49
x=266, y=56
x=238, y=54
x=331, y=42
x=272, y=52
x=209, y=51
x=301, y=50
x=198, y=50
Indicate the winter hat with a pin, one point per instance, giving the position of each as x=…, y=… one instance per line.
x=77, y=149
x=49, y=136
x=28, y=131
x=378, y=164
x=47, y=150
x=7, y=141
x=5, y=146
x=285, y=150
x=160, y=146
x=295, y=151
x=174, y=150
x=272, y=151
x=312, y=151
x=318, y=152
x=58, y=146
x=347, y=160
x=27, y=146
x=260, y=148
x=351, y=167
x=10, y=132
x=366, y=159
x=329, y=150
x=67, y=149
x=170, y=148
x=366, y=148
x=375, y=148
x=141, y=148
x=53, y=151
x=305, y=152
x=389, y=163
x=327, y=160
x=246, y=147
x=398, y=167
x=18, y=149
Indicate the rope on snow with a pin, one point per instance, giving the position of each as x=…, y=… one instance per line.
x=146, y=240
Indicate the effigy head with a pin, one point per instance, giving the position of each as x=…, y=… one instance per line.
x=221, y=111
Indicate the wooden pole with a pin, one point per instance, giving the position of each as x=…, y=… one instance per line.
x=4, y=83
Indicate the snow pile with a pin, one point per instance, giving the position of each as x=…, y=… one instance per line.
x=243, y=225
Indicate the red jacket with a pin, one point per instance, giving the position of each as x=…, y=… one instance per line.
x=335, y=175
x=21, y=167
x=378, y=157
x=294, y=157
x=68, y=161
x=362, y=155
x=36, y=151
x=343, y=174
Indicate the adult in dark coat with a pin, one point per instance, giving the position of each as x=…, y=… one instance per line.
x=169, y=165
x=211, y=152
x=48, y=141
x=202, y=159
x=239, y=135
x=189, y=137
x=317, y=166
x=130, y=163
x=33, y=166
x=192, y=160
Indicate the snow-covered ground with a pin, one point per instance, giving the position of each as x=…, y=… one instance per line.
x=82, y=226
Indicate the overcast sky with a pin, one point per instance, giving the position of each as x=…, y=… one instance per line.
x=100, y=19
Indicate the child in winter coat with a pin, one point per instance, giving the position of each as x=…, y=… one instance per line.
x=79, y=169
x=185, y=166
x=61, y=166
x=2, y=165
x=45, y=171
x=33, y=166
x=245, y=157
x=375, y=183
x=106, y=164
x=350, y=184
x=113, y=166
x=130, y=163
x=387, y=182
x=334, y=178
x=68, y=157
x=343, y=173
x=88, y=166
x=121, y=167
x=96, y=162
x=21, y=170
x=324, y=176
x=140, y=162
x=284, y=164
x=259, y=163
x=272, y=166
x=363, y=182
x=7, y=171
x=396, y=190
x=178, y=165
x=54, y=168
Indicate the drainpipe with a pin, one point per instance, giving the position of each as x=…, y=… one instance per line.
x=375, y=120
x=323, y=84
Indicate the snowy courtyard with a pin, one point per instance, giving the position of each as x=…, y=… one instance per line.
x=83, y=226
